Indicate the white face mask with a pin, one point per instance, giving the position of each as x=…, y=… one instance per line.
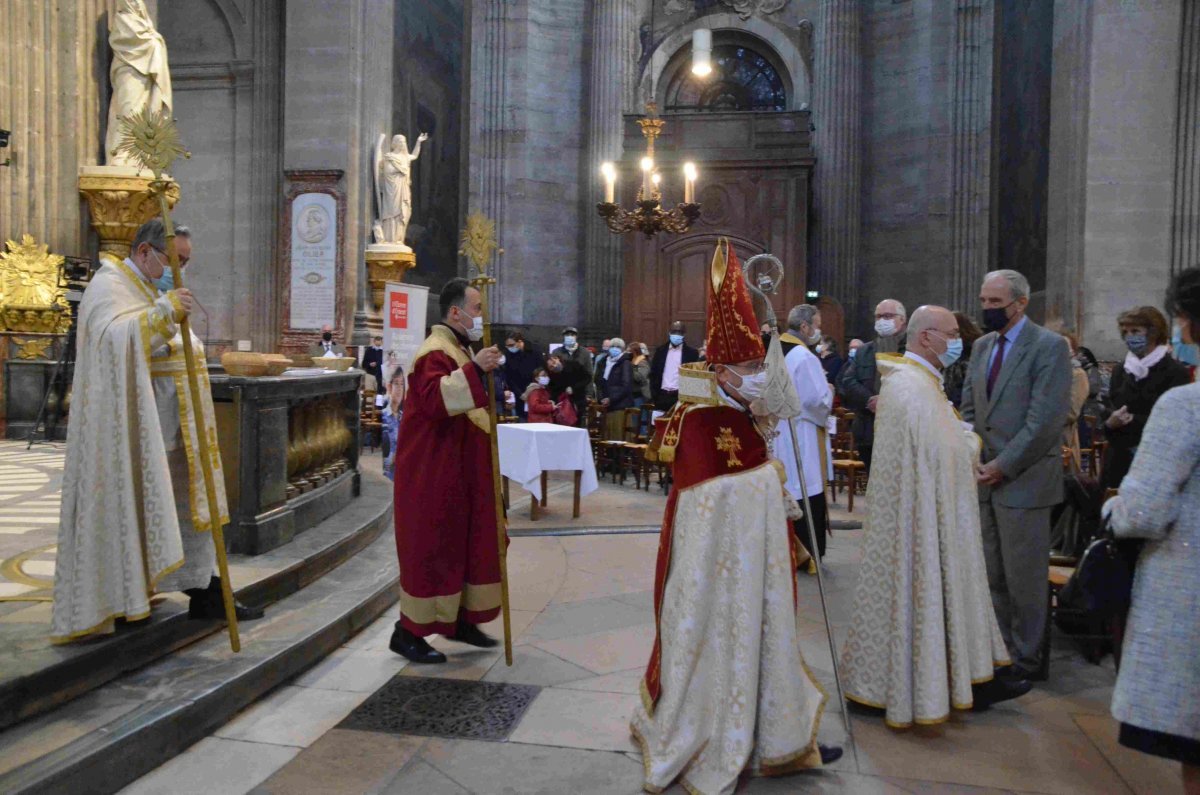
x=475, y=332
x=815, y=337
x=752, y=386
x=543, y=380
x=885, y=328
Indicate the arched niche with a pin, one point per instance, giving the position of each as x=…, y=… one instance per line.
x=765, y=37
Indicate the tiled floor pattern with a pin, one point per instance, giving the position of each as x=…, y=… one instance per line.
x=583, y=626
x=30, y=482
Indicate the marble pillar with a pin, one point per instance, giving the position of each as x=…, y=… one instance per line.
x=1185, y=215
x=54, y=69
x=612, y=70
x=837, y=109
x=971, y=147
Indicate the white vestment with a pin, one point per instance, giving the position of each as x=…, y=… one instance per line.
x=735, y=693
x=816, y=402
x=135, y=513
x=923, y=628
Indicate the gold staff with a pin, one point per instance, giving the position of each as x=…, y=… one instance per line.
x=478, y=243
x=152, y=140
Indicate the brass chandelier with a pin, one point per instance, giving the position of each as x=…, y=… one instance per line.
x=649, y=218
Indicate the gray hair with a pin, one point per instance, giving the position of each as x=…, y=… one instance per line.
x=1018, y=285
x=616, y=342
x=900, y=310
x=801, y=314
x=154, y=233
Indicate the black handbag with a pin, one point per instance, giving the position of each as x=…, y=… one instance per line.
x=1102, y=583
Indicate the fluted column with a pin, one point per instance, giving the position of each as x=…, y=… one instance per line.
x=970, y=165
x=611, y=72
x=53, y=90
x=1185, y=217
x=837, y=99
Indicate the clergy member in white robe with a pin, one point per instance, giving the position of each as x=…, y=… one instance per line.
x=816, y=403
x=135, y=516
x=726, y=691
x=923, y=630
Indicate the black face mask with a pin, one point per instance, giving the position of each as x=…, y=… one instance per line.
x=327, y=336
x=996, y=318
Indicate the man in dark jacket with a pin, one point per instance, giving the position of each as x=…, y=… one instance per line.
x=572, y=350
x=858, y=383
x=519, y=364
x=568, y=376
x=664, y=367
x=372, y=362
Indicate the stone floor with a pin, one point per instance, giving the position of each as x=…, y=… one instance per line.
x=582, y=624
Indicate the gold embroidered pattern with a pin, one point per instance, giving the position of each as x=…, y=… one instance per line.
x=728, y=443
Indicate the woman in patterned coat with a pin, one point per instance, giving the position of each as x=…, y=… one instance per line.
x=1157, y=698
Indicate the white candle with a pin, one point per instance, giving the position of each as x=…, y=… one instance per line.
x=689, y=183
x=647, y=171
x=610, y=182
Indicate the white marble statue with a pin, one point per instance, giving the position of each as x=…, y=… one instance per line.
x=139, y=74
x=393, y=188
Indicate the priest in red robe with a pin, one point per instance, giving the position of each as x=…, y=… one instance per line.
x=445, y=509
x=726, y=691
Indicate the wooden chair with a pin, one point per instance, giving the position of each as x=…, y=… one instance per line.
x=370, y=421
x=634, y=449
x=848, y=471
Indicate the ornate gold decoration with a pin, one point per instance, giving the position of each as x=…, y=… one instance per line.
x=31, y=299
x=478, y=241
x=384, y=267
x=36, y=348
x=649, y=218
x=119, y=204
x=728, y=443
x=150, y=139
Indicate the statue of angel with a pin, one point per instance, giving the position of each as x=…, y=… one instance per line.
x=140, y=76
x=393, y=187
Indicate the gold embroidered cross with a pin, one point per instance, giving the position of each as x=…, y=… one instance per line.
x=728, y=443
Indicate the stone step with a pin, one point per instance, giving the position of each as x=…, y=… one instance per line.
x=36, y=676
x=110, y=737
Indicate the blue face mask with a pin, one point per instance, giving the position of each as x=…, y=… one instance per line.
x=1186, y=353
x=1137, y=344
x=513, y=349
x=676, y=339
x=954, y=350
x=615, y=352
x=569, y=341
x=166, y=282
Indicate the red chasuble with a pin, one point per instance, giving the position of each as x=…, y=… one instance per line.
x=703, y=442
x=445, y=510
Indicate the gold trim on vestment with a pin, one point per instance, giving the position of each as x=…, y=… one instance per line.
x=139, y=282
x=444, y=609
x=645, y=746
x=443, y=340
x=106, y=626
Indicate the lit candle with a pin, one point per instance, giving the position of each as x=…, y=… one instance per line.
x=689, y=183
x=647, y=171
x=610, y=182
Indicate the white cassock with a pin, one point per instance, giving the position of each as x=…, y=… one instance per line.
x=135, y=513
x=923, y=628
x=816, y=402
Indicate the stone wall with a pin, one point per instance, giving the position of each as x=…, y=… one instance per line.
x=1121, y=249
x=526, y=139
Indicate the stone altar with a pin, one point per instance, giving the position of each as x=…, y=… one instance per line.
x=289, y=450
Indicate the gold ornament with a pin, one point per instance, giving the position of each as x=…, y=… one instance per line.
x=33, y=348
x=151, y=140
x=479, y=241
x=31, y=299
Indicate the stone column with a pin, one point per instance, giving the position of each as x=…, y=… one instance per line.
x=1185, y=217
x=54, y=69
x=970, y=150
x=611, y=69
x=837, y=101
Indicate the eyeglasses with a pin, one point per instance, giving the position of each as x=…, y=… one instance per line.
x=886, y=316
x=182, y=260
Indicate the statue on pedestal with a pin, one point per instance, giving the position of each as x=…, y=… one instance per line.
x=139, y=74
x=393, y=190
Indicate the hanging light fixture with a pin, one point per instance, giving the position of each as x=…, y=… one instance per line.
x=702, y=52
x=649, y=218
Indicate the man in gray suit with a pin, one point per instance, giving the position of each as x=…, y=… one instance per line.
x=1017, y=395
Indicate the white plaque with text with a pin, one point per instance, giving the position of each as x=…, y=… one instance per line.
x=314, y=260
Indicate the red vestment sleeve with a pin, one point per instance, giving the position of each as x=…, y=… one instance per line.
x=444, y=389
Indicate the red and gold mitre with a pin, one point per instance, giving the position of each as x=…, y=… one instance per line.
x=733, y=334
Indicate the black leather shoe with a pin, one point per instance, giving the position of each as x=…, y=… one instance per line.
x=208, y=604
x=472, y=635
x=998, y=690
x=415, y=648
x=829, y=753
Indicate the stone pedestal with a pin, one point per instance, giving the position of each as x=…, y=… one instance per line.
x=29, y=361
x=120, y=201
